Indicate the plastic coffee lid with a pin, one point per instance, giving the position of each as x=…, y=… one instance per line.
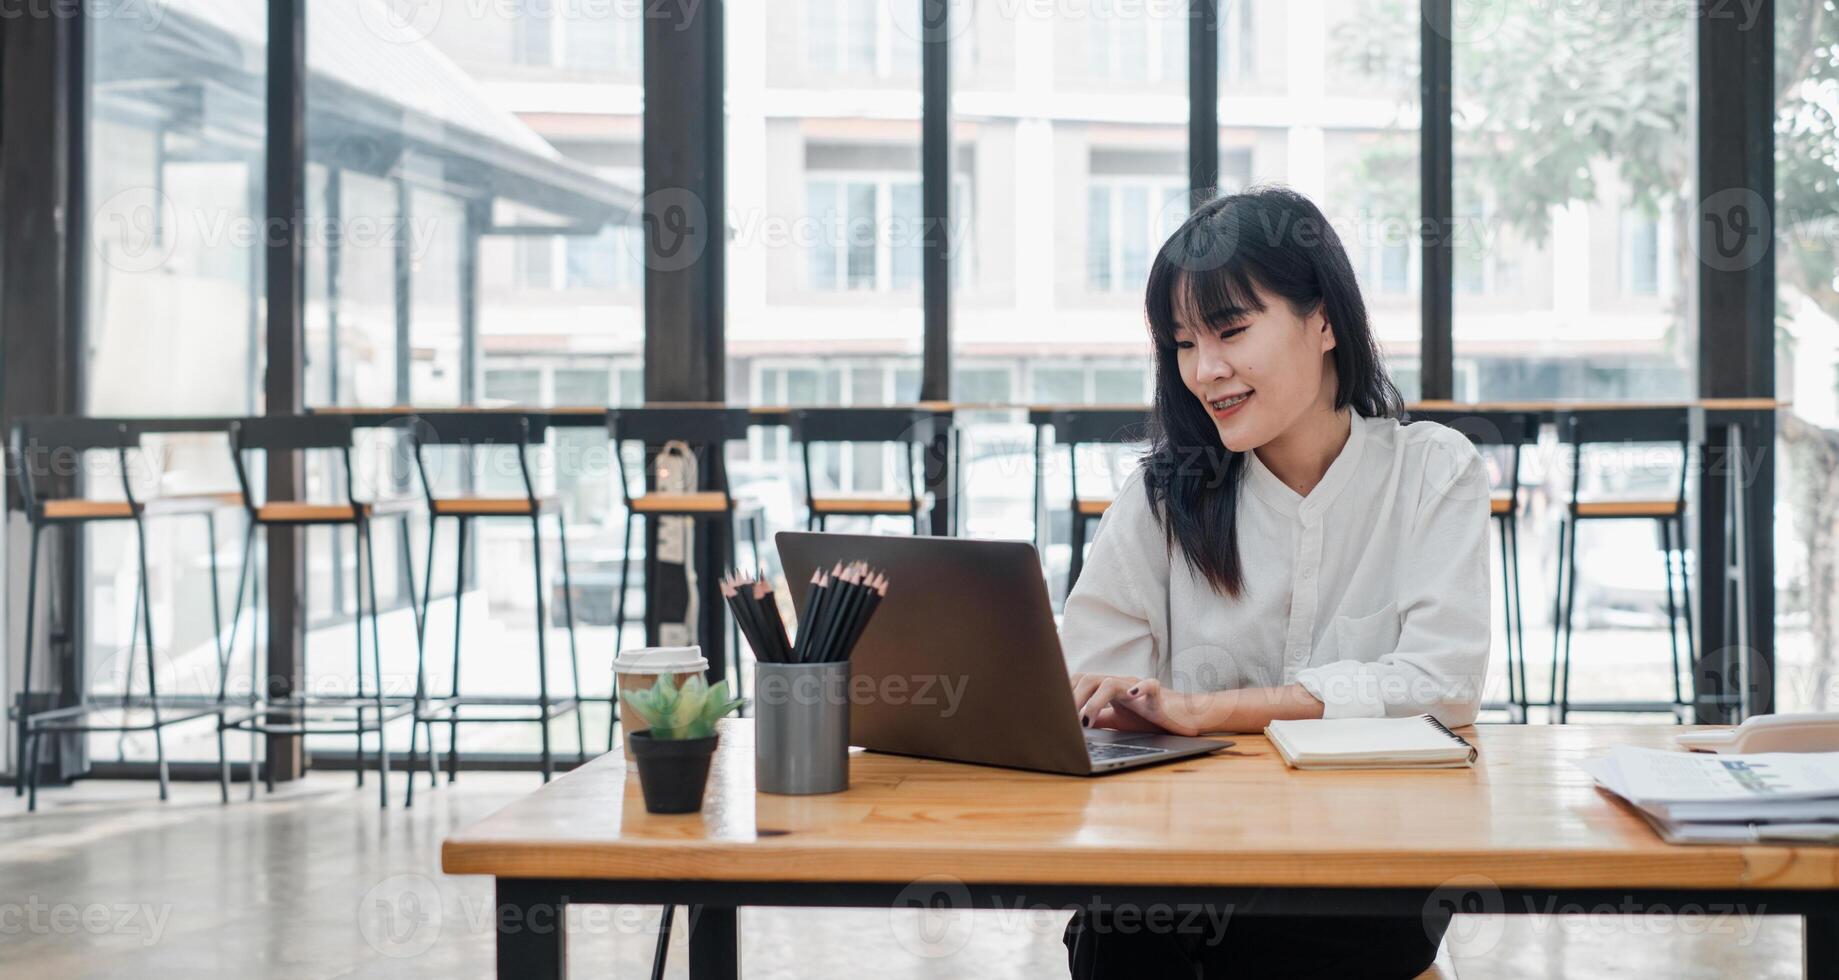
x=660, y=660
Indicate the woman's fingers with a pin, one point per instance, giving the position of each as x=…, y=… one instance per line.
x=1121, y=718
x=1085, y=685
x=1169, y=711
x=1103, y=693
x=1147, y=687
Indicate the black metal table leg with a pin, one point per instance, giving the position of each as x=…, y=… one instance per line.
x=1820, y=946
x=715, y=948
x=532, y=940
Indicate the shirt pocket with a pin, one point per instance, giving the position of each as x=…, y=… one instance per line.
x=1367, y=638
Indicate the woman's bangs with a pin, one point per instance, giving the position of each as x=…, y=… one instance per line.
x=1196, y=293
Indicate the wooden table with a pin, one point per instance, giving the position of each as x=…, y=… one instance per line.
x=1522, y=830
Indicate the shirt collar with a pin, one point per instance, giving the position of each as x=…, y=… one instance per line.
x=1288, y=502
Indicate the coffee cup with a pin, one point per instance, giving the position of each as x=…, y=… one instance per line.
x=639, y=669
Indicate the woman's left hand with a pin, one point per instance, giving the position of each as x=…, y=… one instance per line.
x=1146, y=706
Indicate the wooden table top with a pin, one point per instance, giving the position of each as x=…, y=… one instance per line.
x=1523, y=817
x=1555, y=405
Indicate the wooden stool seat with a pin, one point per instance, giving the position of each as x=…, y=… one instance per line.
x=77, y=509
x=701, y=502
x=297, y=512
x=1500, y=505
x=491, y=506
x=1093, y=507
x=863, y=505
x=1628, y=508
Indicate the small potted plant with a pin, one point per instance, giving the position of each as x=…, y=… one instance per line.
x=673, y=753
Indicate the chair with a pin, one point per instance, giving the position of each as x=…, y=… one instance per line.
x=1503, y=431
x=704, y=430
x=469, y=432
x=1631, y=425
x=313, y=713
x=909, y=428
x=1074, y=427
x=66, y=440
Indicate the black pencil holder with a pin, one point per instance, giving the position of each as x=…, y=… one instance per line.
x=801, y=728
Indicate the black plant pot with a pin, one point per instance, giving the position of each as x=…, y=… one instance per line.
x=673, y=771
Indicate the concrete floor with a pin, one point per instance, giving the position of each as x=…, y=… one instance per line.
x=316, y=882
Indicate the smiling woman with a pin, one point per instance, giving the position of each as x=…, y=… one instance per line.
x=1252, y=296
x=1288, y=549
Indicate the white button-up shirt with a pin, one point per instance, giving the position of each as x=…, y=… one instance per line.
x=1371, y=591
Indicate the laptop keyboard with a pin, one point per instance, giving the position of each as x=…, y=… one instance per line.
x=1111, y=751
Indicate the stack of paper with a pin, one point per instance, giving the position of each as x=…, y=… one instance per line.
x=1691, y=798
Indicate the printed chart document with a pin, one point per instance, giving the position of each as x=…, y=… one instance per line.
x=1692, y=798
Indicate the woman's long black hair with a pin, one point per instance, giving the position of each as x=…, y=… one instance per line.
x=1277, y=239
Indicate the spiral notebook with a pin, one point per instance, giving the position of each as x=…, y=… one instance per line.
x=1419, y=742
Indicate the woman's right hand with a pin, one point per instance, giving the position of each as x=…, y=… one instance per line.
x=1093, y=694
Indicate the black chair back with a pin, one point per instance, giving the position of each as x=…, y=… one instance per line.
x=475, y=429
x=290, y=433
x=1577, y=429
x=914, y=426
x=1099, y=425
x=705, y=429
x=470, y=431
x=65, y=439
x=697, y=426
x=1074, y=427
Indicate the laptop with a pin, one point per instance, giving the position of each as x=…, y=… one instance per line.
x=962, y=662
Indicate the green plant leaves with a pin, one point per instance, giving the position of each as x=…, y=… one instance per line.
x=681, y=713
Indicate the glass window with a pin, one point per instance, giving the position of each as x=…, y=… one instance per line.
x=174, y=273
x=859, y=37
x=824, y=263
x=1806, y=237
x=1121, y=386
x=464, y=274
x=1574, y=269
x=1055, y=385
x=1129, y=218
x=1073, y=199
x=1640, y=254
x=1330, y=108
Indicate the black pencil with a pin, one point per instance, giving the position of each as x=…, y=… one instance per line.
x=747, y=618
x=814, y=597
x=875, y=588
x=838, y=612
x=831, y=589
x=769, y=609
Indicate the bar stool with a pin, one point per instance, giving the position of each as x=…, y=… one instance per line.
x=702, y=429
x=470, y=432
x=313, y=713
x=908, y=428
x=1076, y=427
x=1632, y=425
x=1502, y=432
x=69, y=439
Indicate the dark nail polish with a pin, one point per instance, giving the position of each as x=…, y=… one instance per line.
x=1083, y=720
x=1133, y=692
